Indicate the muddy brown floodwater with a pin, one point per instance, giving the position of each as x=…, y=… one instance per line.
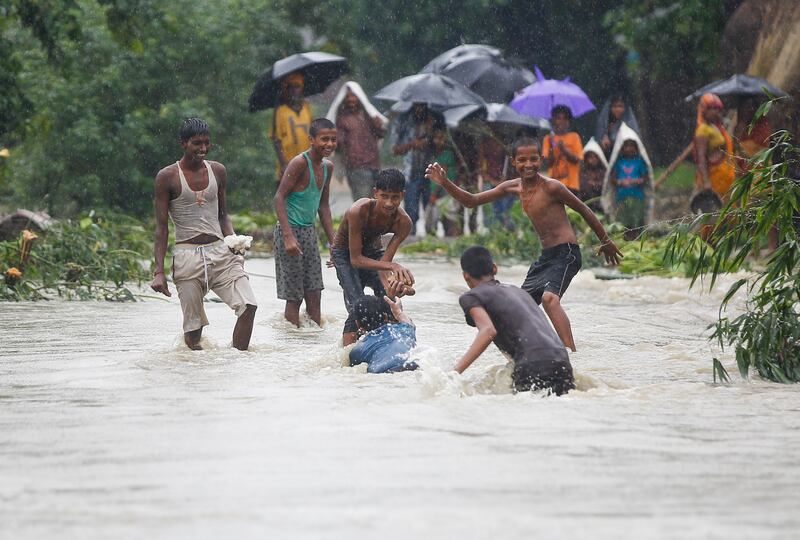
x=110, y=428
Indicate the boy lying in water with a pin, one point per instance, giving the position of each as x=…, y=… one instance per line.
x=389, y=334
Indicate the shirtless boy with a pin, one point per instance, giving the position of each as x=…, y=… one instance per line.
x=357, y=251
x=543, y=200
x=303, y=193
x=192, y=193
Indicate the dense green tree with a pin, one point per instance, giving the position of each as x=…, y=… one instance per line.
x=104, y=125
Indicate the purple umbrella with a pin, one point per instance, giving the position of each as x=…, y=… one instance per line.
x=538, y=99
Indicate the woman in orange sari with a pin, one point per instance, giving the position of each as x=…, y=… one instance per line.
x=713, y=148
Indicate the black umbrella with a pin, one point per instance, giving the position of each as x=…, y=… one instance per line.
x=493, y=78
x=495, y=113
x=429, y=88
x=319, y=69
x=738, y=85
x=443, y=60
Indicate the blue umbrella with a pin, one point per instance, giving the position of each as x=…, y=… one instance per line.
x=538, y=99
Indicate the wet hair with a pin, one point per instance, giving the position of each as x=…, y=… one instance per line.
x=391, y=180
x=616, y=98
x=522, y=142
x=477, y=262
x=318, y=124
x=192, y=127
x=559, y=109
x=371, y=312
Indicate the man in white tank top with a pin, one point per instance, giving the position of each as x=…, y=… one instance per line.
x=192, y=193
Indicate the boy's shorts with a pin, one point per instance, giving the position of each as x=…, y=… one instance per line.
x=553, y=374
x=298, y=275
x=198, y=268
x=353, y=281
x=553, y=272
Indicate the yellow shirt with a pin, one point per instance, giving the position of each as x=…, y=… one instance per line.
x=291, y=129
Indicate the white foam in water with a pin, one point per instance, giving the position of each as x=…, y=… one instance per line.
x=111, y=428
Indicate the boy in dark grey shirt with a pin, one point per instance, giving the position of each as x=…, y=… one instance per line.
x=508, y=316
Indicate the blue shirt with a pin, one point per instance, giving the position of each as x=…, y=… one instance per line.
x=628, y=169
x=386, y=348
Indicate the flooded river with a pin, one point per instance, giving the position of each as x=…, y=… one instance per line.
x=110, y=428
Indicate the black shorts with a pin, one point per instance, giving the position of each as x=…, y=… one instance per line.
x=354, y=280
x=553, y=272
x=553, y=374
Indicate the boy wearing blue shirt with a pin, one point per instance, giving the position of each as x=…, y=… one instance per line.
x=389, y=334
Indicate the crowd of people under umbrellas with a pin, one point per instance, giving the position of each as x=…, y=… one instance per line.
x=612, y=173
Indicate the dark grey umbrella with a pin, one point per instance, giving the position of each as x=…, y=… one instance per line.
x=495, y=113
x=319, y=69
x=493, y=78
x=430, y=88
x=443, y=60
x=738, y=85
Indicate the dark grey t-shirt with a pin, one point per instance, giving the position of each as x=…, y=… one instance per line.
x=523, y=331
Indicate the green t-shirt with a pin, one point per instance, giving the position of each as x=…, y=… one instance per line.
x=447, y=160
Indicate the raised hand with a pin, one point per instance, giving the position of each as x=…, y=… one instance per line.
x=436, y=174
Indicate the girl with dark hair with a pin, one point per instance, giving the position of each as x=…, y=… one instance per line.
x=615, y=111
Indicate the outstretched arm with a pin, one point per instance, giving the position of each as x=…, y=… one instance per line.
x=395, y=305
x=438, y=176
x=608, y=248
x=486, y=333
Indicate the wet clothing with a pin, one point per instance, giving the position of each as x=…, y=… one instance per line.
x=630, y=169
x=418, y=188
x=553, y=271
x=196, y=212
x=749, y=143
x=605, y=127
x=370, y=237
x=353, y=280
x=291, y=128
x=302, y=206
x=358, y=140
x=198, y=268
x=386, y=349
x=524, y=334
x=297, y=275
x=631, y=212
x=562, y=169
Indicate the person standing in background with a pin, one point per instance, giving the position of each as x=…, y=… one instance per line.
x=359, y=127
x=562, y=151
x=290, y=123
x=713, y=148
x=614, y=113
x=414, y=139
